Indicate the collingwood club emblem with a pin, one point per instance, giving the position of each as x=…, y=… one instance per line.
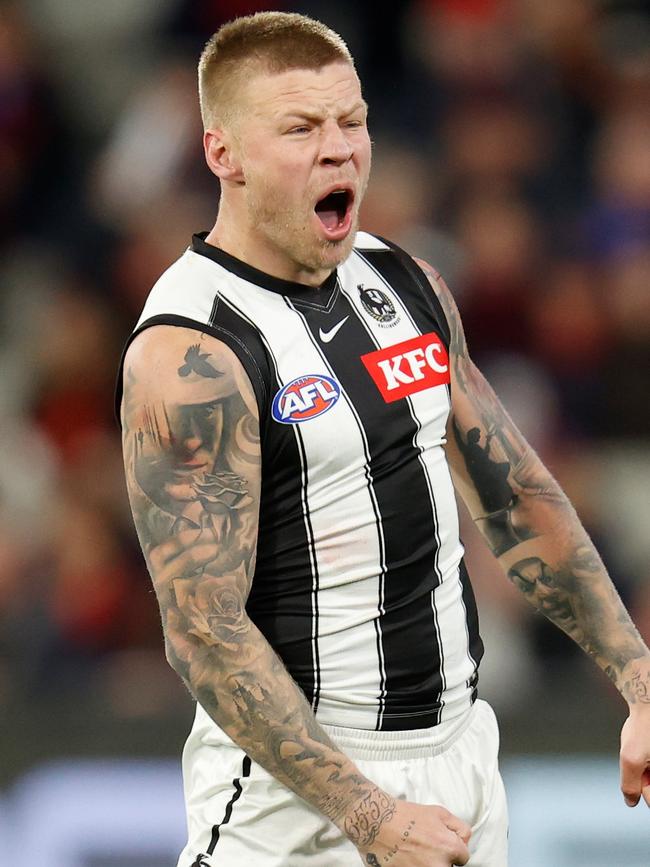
x=378, y=305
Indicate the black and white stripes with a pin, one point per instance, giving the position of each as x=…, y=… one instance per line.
x=359, y=583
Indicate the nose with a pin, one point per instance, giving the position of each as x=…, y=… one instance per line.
x=335, y=149
x=192, y=440
x=192, y=444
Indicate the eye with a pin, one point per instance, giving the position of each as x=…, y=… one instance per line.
x=206, y=411
x=298, y=130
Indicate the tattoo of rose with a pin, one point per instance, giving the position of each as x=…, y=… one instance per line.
x=222, y=491
x=222, y=495
x=215, y=613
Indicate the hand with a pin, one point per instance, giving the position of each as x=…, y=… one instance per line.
x=635, y=755
x=416, y=835
x=184, y=554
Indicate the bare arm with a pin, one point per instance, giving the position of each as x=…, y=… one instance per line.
x=192, y=461
x=533, y=530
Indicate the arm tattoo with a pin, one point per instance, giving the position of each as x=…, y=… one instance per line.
x=196, y=362
x=364, y=823
x=515, y=502
x=636, y=686
x=503, y=470
x=578, y=597
x=373, y=860
x=192, y=460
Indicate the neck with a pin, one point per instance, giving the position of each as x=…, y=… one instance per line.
x=232, y=235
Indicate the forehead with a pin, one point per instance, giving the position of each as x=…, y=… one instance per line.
x=331, y=89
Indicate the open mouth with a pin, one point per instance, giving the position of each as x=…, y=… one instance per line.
x=332, y=210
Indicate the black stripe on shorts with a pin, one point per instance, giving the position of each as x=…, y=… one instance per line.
x=216, y=830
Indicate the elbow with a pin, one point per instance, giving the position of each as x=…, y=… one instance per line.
x=179, y=663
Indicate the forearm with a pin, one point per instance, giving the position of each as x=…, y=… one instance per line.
x=534, y=532
x=246, y=689
x=561, y=574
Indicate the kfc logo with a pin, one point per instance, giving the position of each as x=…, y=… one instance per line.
x=408, y=367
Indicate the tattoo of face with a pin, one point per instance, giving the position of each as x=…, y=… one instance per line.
x=192, y=460
x=189, y=464
x=365, y=821
x=575, y=597
x=536, y=579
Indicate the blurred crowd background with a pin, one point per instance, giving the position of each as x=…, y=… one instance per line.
x=512, y=150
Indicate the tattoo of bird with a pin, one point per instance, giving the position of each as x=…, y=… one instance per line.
x=195, y=361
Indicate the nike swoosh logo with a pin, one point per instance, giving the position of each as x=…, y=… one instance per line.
x=326, y=336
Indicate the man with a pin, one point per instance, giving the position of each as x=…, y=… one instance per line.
x=286, y=398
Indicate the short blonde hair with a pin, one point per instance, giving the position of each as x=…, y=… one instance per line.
x=266, y=42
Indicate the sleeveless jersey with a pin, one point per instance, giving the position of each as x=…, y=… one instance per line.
x=359, y=585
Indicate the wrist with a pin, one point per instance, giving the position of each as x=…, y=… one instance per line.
x=634, y=683
x=365, y=817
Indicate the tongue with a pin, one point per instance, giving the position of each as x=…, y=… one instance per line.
x=330, y=219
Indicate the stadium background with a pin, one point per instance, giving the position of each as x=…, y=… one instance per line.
x=512, y=150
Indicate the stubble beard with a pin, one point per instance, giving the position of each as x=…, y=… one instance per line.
x=291, y=231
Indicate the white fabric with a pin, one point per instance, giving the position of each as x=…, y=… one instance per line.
x=453, y=764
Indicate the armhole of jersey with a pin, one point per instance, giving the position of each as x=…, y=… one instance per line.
x=232, y=342
x=421, y=279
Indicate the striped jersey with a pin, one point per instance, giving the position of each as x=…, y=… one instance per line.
x=359, y=584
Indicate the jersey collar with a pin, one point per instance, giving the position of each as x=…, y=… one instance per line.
x=319, y=295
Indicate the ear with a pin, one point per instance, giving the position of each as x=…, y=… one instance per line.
x=221, y=157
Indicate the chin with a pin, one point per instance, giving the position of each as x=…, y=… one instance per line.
x=338, y=256
x=332, y=253
x=342, y=249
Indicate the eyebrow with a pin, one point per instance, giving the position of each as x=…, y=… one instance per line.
x=314, y=116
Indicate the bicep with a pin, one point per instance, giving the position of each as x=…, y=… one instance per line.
x=489, y=457
x=491, y=462
x=192, y=463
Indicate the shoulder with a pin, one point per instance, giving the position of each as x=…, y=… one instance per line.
x=186, y=288
x=174, y=365
x=448, y=304
x=366, y=241
x=188, y=263
x=435, y=280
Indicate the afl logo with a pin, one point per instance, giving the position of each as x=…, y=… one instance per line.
x=305, y=398
x=377, y=304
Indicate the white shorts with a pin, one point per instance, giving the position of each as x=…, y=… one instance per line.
x=241, y=816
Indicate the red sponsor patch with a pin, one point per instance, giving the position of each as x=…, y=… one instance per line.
x=408, y=367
